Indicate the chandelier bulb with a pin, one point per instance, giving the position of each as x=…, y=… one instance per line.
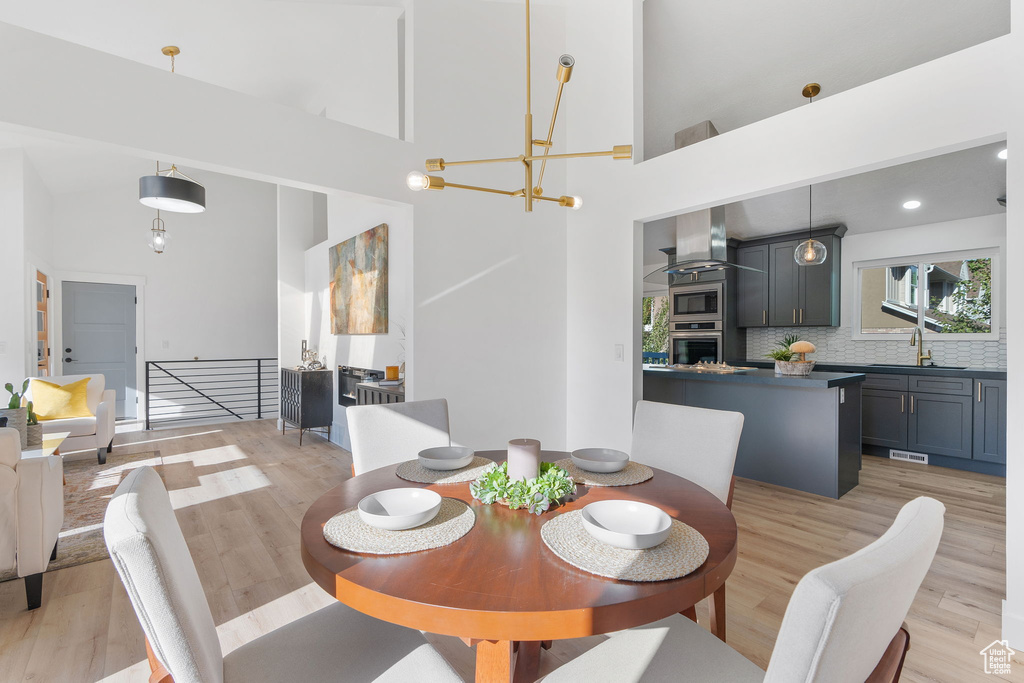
x=416, y=181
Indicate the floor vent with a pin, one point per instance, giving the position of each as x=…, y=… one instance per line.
x=920, y=458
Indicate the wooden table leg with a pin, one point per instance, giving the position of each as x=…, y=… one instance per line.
x=690, y=613
x=494, y=661
x=527, y=666
x=717, y=606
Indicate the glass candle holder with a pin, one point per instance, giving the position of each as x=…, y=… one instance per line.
x=391, y=372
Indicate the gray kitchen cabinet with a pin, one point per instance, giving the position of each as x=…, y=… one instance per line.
x=752, y=287
x=803, y=296
x=990, y=420
x=941, y=424
x=884, y=418
x=819, y=288
x=783, y=284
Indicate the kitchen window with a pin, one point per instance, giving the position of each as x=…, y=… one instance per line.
x=952, y=294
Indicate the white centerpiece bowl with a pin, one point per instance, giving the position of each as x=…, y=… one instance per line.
x=626, y=523
x=398, y=509
x=446, y=457
x=602, y=460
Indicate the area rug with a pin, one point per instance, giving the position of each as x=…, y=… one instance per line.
x=87, y=491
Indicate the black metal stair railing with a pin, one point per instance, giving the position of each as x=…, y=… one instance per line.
x=227, y=388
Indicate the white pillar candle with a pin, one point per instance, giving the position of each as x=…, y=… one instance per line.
x=523, y=459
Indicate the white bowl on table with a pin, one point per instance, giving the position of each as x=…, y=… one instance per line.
x=601, y=460
x=446, y=457
x=626, y=523
x=398, y=509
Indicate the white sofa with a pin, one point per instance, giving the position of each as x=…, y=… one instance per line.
x=31, y=512
x=86, y=432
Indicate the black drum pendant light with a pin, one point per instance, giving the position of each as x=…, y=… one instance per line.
x=170, y=189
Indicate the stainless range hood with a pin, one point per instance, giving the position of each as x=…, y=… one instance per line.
x=700, y=247
x=700, y=235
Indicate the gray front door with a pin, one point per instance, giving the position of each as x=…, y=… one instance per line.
x=99, y=337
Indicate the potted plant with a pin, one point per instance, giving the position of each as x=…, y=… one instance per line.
x=33, y=430
x=17, y=417
x=788, y=348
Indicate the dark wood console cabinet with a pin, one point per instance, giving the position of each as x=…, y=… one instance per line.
x=306, y=400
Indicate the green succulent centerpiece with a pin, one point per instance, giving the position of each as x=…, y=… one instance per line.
x=538, y=494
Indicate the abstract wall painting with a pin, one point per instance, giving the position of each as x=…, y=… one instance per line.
x=359, y=283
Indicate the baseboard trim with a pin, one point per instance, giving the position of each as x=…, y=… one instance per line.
x=1013, y=627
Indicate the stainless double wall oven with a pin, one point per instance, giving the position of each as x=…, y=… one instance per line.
x=695, y=323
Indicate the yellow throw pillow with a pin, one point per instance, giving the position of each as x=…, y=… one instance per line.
x=56, y=402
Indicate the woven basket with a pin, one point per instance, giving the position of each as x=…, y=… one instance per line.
x=17, y=418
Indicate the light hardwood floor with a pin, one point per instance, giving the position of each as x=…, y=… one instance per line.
x=240, y=491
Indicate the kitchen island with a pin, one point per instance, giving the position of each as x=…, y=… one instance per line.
x=799, y=432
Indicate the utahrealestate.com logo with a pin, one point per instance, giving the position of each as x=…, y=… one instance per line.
x=997, y=657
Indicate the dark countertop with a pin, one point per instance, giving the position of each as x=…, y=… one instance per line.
x=816, y=380
x=938, y=371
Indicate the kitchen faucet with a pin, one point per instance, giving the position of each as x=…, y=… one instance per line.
x=918, y=334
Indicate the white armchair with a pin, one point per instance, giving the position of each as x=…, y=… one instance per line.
x=85, y=432
x=31, y=513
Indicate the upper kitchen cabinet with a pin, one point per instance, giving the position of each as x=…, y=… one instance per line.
x=752, y=287
x=785, y=294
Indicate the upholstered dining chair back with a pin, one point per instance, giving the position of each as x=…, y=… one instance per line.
x=842, y=615
x=384, y=435
x=150, y=554
x=694, y=443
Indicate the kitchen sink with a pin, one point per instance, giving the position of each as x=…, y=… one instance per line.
x=911, y=365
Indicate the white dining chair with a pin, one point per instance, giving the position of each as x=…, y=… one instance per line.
x=838, y=627
x=696, y=444
x=149, y=552
x=388, y=434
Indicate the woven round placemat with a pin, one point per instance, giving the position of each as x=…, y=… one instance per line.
x=346, y=530
x=684, y=550
x=632, y=473
x=412, y=470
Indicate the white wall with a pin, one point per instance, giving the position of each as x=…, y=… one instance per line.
x=1013, y=607
x=296, y=232
x=14, y=358
x=347, y=217
x=212, y=293
x=38, y=256
x=489, y=279
x=604, y=261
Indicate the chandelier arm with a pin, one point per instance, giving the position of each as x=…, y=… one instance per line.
x=475, y=188
x=551, y=132
x=502, y=160
x=571, y=155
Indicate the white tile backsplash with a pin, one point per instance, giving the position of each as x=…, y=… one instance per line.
x=836, y=345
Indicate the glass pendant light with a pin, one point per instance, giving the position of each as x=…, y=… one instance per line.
x=158, y=238
x=810, y=252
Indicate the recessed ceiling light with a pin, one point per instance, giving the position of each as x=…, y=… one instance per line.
x=1002, y=153
x=912, y=204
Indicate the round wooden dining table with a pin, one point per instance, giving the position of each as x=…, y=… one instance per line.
x=500, y=587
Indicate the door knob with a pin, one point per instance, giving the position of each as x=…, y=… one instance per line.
x=67, y=350
x=68, y=360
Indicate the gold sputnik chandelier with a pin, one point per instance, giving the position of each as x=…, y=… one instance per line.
x=530, y=192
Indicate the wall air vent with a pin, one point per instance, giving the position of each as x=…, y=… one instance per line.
x=920, y=458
